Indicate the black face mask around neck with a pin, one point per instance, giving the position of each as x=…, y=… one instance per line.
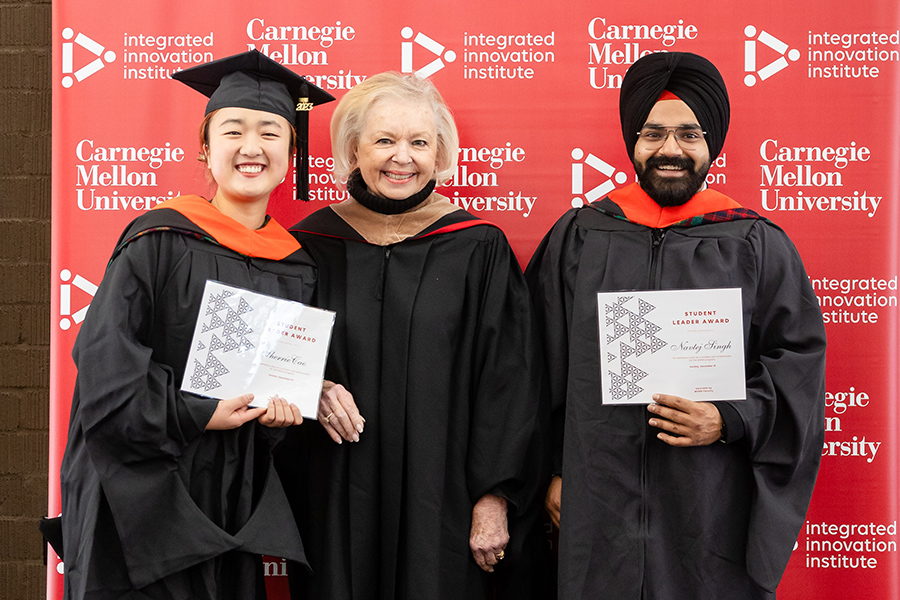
x=386, y=206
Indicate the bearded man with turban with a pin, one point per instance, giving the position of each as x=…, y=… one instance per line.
x=679, y=499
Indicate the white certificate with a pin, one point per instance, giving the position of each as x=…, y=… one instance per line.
x=687, y=343
x=249, y=342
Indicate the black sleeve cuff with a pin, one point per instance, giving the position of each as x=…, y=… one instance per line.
x=195, y=412
x=732, y=423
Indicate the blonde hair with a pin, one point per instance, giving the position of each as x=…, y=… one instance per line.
x=349, y=120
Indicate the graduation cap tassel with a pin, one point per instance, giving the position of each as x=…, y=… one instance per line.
x=302, y=124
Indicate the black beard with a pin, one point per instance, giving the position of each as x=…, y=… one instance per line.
x=666, y=191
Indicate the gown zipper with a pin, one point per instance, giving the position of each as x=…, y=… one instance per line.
x=653, y=283
x=655, y=277
x=379, y=289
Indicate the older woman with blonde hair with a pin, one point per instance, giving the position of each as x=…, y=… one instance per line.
x=426, y=467
x=350, y=116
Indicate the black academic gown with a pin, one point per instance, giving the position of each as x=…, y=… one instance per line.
x=434, y=339
x=154, y=506
x=644, y=520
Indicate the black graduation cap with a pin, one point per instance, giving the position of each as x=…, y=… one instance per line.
x=255, y=81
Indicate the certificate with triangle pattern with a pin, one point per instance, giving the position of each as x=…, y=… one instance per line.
x=245, y=341
x=687, y=343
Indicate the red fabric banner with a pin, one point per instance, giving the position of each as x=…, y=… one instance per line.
x=813, y=146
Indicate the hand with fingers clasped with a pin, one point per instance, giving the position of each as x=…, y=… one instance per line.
x=234, y=412
x=280, y=413
x=685, y=422
x=338, y=413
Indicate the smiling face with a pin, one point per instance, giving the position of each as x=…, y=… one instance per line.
x=248, y=153
x=671, y=174
x=397, y=149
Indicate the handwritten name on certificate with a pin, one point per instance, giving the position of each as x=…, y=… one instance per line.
x=688, y=343
x=249, y=342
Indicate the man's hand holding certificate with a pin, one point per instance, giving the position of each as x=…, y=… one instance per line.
x=686, y=343
x=249, y=342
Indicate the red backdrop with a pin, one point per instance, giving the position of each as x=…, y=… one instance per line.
x=813, y=145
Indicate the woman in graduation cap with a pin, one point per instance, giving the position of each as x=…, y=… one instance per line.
x=423, y=475
x=166, y=494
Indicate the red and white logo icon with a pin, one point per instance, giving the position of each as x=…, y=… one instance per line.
x=751, y=46
x=423, y=41
x=68, y=318
x=94, y=49
x=613, y=178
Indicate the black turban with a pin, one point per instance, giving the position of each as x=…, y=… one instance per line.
x=692, y=78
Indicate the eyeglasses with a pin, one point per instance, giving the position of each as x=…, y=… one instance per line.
x=687, y=137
